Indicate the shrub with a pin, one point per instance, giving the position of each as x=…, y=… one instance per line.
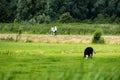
x=99, y=19
x=97, y=36
x=65, y=18
x=117, y=20
x=15, y=21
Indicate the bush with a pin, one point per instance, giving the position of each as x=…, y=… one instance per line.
x=97, y=36
x=15, y=21
x=65, y=18
x=117, y=20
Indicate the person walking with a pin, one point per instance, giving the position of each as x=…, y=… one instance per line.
x=52, y=30
x=55, y=30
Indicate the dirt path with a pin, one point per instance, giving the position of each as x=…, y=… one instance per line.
x=60, y=38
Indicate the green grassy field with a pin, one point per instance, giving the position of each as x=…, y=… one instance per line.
x=52, y=61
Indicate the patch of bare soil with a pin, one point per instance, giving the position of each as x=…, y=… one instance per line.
x=60, y=38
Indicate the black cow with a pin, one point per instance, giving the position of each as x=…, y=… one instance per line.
x=88, y=53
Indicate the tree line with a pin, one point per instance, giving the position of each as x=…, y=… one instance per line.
x=46, y=11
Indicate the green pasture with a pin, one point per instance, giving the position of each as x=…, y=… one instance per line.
x=52, y=61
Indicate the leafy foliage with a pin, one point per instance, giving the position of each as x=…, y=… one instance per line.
x=65, y=18
x=40, y=19
x=80, y=10
x=16, y=21
x=97, y=36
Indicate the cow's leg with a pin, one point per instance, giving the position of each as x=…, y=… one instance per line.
x=91, y=55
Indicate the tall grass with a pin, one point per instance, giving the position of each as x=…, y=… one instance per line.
x=43, y=61
x=71, y=28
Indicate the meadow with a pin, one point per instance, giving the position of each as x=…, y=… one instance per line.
x=58, y=61
x=63, y=29
x=39, y=56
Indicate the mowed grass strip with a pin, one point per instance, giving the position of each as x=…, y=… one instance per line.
x=45, y=61
x=78, y=39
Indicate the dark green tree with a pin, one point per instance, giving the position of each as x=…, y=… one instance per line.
x=22, y=10
x=4, y=11
x=25, y=9
x=65, y=18
x=80, y=10
x=90, y=9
